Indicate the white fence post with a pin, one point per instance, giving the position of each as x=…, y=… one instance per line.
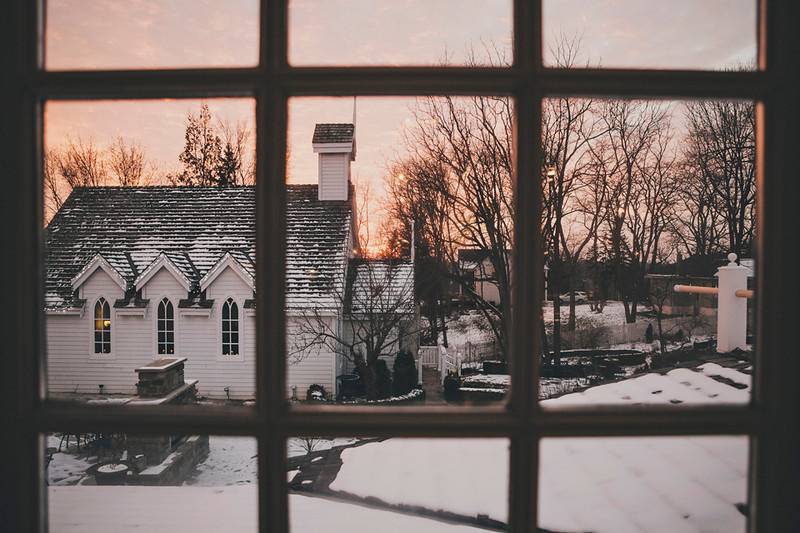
x=732, y=295
x=731, y=309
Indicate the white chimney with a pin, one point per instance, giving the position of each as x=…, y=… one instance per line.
x=336, y=146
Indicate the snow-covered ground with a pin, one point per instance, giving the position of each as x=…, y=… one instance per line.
x=613, y=313
x=661, y=484
x=464, y=476
x=211, y=510
x=230, y=461
x=67, y=467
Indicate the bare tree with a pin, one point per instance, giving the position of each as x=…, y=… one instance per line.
x=376, y=299
x=720, y=150
x=54, y=188
x=633, y=159
x=239, y=150
x=417, y=203
x=128, y=165
x=82, y=164
x=461, y=162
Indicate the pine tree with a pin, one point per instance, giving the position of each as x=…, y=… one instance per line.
x=228, y=167
x=202, y=152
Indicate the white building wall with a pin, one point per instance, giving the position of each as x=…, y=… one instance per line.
x=72, y=365
x=333, y=176
x=202, y=343
x=319, y=366
x=74, y=368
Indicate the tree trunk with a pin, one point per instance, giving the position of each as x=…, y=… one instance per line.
x=571, y=320
x=556, y=360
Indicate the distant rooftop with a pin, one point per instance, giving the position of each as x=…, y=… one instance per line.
x=333, y=133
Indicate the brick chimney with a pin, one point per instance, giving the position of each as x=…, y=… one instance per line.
x=336, y=146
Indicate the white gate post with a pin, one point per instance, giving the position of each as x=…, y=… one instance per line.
x=731, y=309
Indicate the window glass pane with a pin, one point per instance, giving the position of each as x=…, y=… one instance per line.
x=645, y=205
x=416, y=32
x=425, y=484
x=134, y=215
x=147, y=35
x=643, y=484
x=155, y=483
x=681, y=34
x=417, y=327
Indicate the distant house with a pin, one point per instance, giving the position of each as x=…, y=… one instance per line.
x=136, y=274
x=478, y=273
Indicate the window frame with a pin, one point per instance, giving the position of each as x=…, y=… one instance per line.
x=772, y=420
x=166, y=329
x=104, y=306
x=230, y=305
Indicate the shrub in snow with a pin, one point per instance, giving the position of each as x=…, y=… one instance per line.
x=404, y=373
x=316, y=393
x=383, y=379
x=648, y=334
x=452, y=388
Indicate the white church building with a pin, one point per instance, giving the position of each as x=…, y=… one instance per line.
x=138, y=274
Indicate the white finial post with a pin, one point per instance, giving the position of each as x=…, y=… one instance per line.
x=731, y=309
x=413, y=242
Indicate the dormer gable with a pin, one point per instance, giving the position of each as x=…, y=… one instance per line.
x=98, y=261
x=225, y=262
x=162, y=261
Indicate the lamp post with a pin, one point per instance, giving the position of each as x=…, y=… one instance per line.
x=554, y=212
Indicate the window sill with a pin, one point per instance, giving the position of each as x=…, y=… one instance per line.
x=230, y=358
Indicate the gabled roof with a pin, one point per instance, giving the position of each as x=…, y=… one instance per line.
x=194, y=228
x=168, y=261
x=229, y=261
x=98, y=261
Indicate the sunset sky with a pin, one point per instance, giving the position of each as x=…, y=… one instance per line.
x=91, y=34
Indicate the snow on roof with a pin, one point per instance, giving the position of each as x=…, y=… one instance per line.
x=194, y=227
x=333, y=133
x=93, y=509
x=615, y=484
x=706, y=385
x=383, y=285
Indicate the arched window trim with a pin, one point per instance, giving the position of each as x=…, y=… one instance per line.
x=102, y=327
x=165, y=327
x=230, y=340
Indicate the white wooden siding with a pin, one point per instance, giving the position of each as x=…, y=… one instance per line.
x=333, y=176
x=72, y=364
x=319, y=366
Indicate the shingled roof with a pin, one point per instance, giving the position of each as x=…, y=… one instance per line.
x=333, y=133
x=194, y=227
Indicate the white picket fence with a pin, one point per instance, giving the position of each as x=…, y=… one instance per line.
x=453, y=359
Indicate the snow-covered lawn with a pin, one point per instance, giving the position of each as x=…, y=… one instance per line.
x=234, y=461
x=211, y=510
x=613, y=313
x=68, y=466
x=230, y=461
